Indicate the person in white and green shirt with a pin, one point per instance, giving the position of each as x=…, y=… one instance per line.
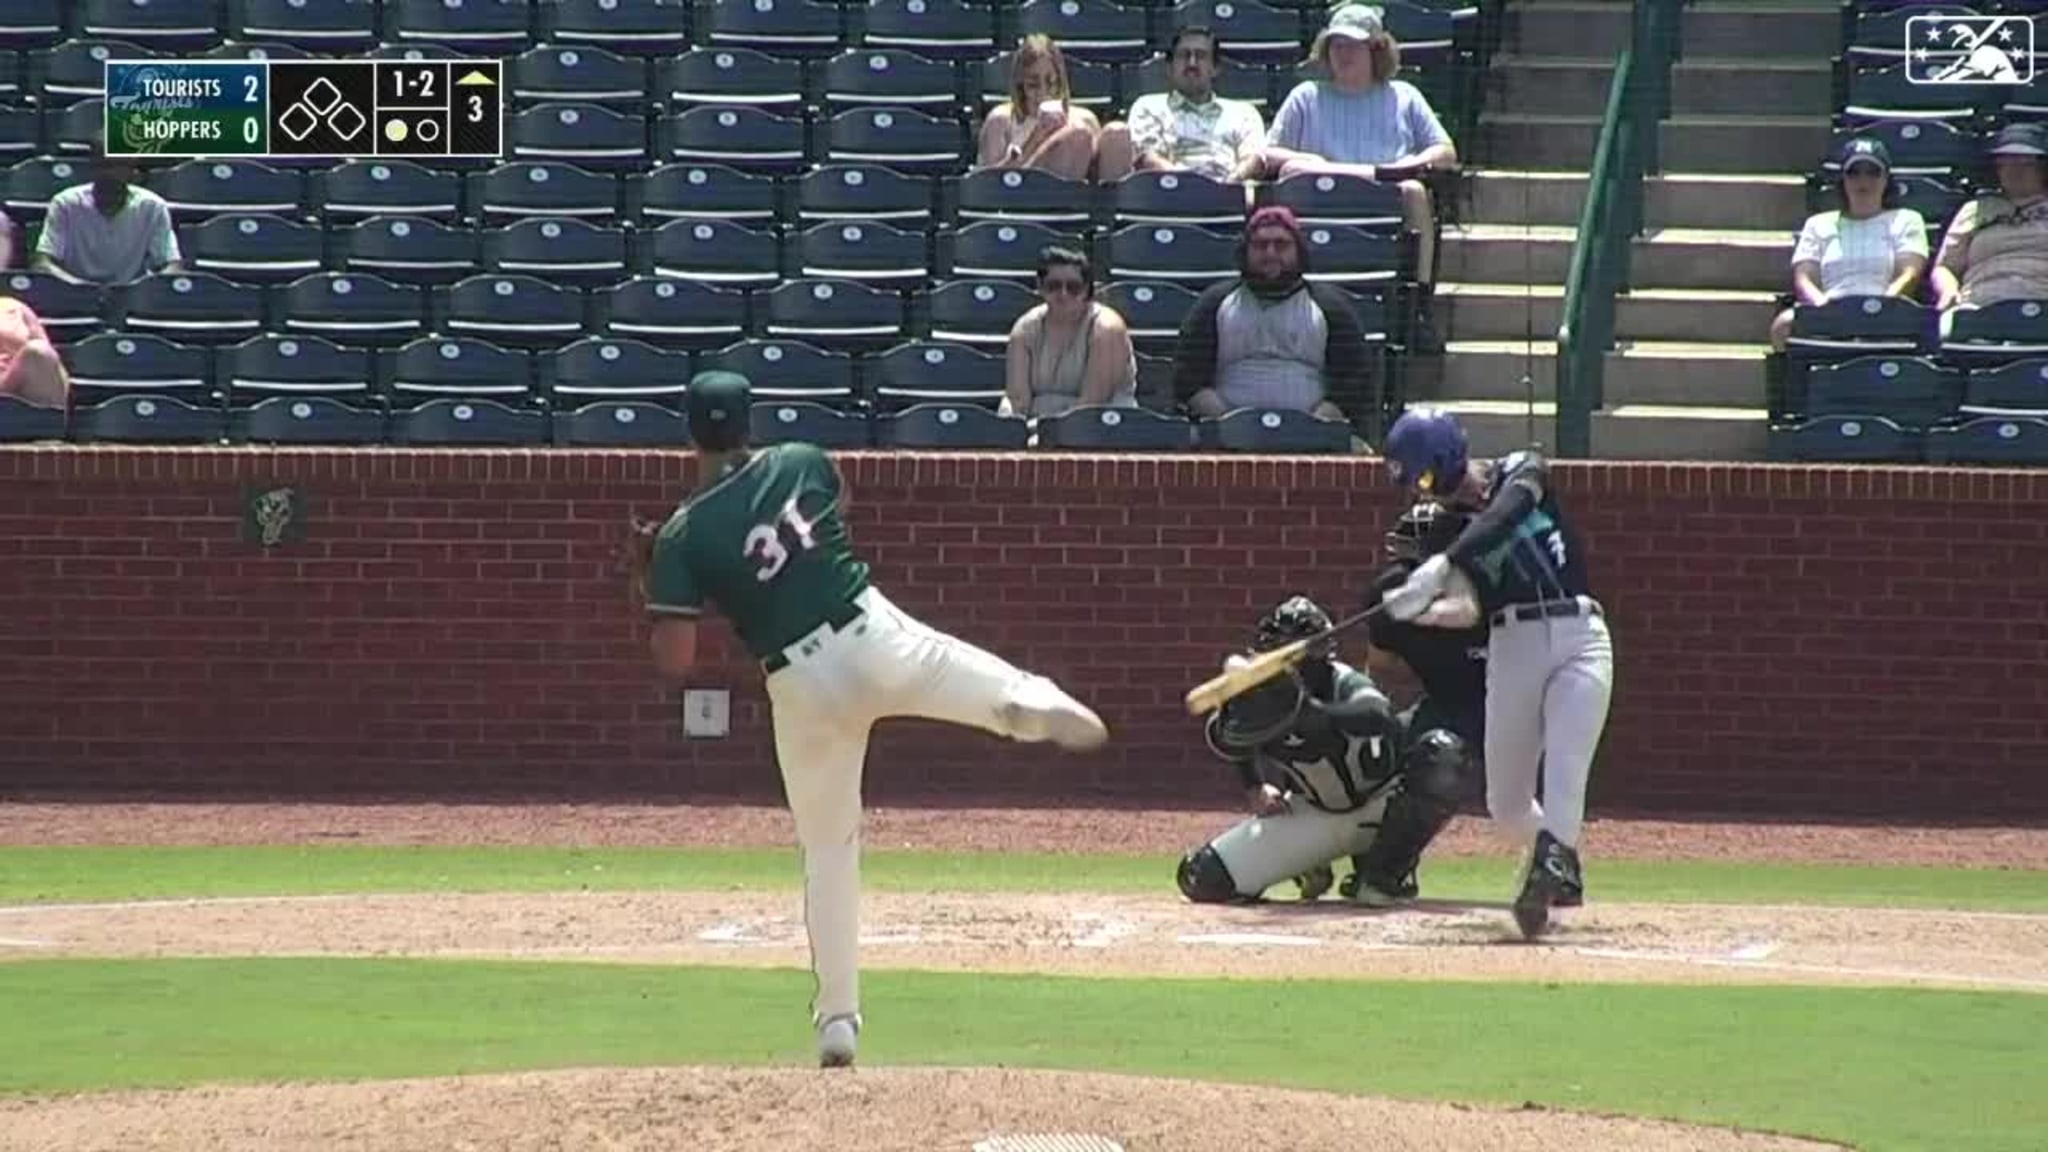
x=1188, y=128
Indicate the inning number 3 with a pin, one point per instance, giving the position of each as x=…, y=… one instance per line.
x=764, y=544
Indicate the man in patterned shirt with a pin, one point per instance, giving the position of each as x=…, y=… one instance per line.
x=1187, y=129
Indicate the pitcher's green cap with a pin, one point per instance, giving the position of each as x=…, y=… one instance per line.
x=719, y=405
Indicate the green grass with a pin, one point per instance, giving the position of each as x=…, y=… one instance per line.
x=1888, y=1070
x=91, y=874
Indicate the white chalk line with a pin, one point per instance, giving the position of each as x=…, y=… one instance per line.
x=1811, y=969
x=209, y=902
x=1107, y=931
x=6, y=942
x=1761, y=950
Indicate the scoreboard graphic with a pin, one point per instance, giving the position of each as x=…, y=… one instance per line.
x=332, y=109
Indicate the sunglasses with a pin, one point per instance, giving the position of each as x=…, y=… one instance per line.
x=1061, y=286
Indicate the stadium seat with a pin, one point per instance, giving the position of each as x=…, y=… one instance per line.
x=75, y=128
x=2009, y=441
x=564, y=251
x=715, y=252
x=1106, y=429
x=2016, y=389
x=144, y=419
x=1997, y=333
x=749, y=139
x=956, y=427
x=1277, y=430
x=271, y=365
x=121, y=363
x=77, y=68
x=197, y=189
x=454, y=368
x=776, y=421
x=702, y=192
x=888, y=78
x=656, y=28
x=580, y=74
x=1860, y=325
x=838, y=314
x=511, y=309
x=1380, y=315
x=488, y=27
x=197, y=307
x=1337, y=201
x=904, y=138
x=32, y=25
x=69, y=311
x=795, y=28
x=1001, y=250
x=1846, y=440
x=1155, y=384
x=622, y=424
x=14, y=84
x=1094, y=31
x=171, y=27
x=1093, y=83
x=1246, y=30
x=469, y=422
x=977, y=312
x=610, y=368
x=788, y=370
x=738, y=76
x=414, y=51
x=1020, y=194
x=306, y=420
x=587, y=135
x=356, y=190
x=1910, y=391
x=926, y=371
x=1153, y=311
x=1235, y=79
x=1874, y=35
x=408, y=250
x=1178, y=198
x=255, y=248
x=1918, y=147
x=872, y=253
x=1180, y=253
x=1873, y=95
x=352, y=308
x=864, y=192
x=673, y=313
x=29, y=185
x=22, y=422
x=949, y=30
x=21, y=131
x=330, y=27
x=506, y=193
x=1353, y=256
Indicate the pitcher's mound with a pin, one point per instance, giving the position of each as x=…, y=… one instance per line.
x=809, y=1110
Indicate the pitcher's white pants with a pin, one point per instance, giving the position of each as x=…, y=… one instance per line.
x=1264, y=850
x=1548, y=683
x=887, y=663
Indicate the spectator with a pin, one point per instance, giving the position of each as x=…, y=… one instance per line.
x=30, y=369
x=1040, y=126
x=1071, y=351
x=1273, y=339
x=1187, y=129
x=1363, y=122
x=108, y=231
x=1997, y=245
x=1867, y=247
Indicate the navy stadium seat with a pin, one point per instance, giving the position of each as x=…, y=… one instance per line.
x=1880, y=94
x=143, y=419
x=356, y=190
x=587, y=135
x=576, y=74
x=959, y=427
x=911, y=139
x=620, y=424
x=171, y=27
x=118, y=363
x=976, y=311
x=330, y=27
x=1095, y=31
x=1876, y=34
x=1178, y=198
x=77, y=68
x=715, y=252
x=749, y=139
x=69, y=310
x=563, y=251
x=13, y=80
x=1153, y=311
x=930, y=371
x=507, y=308
x=1335, y=199
x=741, y=76
x=608, y=368
x=1846, y=440
x=873, y=253
x=488, y=27
x=674, y=313
x=789, y=370
x=22, y=422
x=703, y=192
x=408, y=250
x=1910, y=391
x=1180, y=253
x=352, y=308
x=197, y=189
x=273, y=365
x=20, y=134
x=951, y=30
x=890, y=78
x=795, y=28
x=2010, y=441
x=1277, y=430
x=1246, y=30
x=1860, y=325
x=256, y=248
x=1354, y=256
x=2018, y=388
x=864, y=192
x=75, y=128
x=306, y=420
x=833, y=314
x=455, y=368
x=198, y=307
x=29, y=185
x=657, y=28
x=1025, y=194
x=776, y=421
x=469, y=422
x=1001, y=249
x=1102, y=428
x=527, y=188
x=1997, y=333
x=27, y=25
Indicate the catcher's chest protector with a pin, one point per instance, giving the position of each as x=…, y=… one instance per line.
x=1332, y=770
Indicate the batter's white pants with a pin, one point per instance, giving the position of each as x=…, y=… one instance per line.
x=1265, y=850
x=837, y=685
x=1548, y=682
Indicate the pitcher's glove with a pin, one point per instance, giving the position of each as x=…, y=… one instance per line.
x=635, y=556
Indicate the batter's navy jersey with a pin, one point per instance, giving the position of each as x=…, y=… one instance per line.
x=1450, y=662
x=1521, y=549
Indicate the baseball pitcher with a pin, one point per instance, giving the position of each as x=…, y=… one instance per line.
x=1520, y=566
x=765, y=542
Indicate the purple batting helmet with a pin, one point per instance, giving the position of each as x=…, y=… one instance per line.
x=1426, y=451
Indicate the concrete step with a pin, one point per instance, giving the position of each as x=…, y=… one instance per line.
x=1749, y=86
x=1551, y=142
x=1665, y=258
x=1515, y=311
x=1627, y=433
x=1550, y=85
x=1676, y=200
x=1640, y=372
x=1810, y=29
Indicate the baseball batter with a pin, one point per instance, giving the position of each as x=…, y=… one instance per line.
x=1521, y=567
x=764, y=541
x=1319, y=751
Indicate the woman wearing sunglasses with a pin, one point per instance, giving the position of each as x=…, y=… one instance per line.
x=1071, y=351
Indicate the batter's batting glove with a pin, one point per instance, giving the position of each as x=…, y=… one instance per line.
x=1413, y=598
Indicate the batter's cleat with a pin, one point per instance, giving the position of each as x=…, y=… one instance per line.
x=1553, y=873
x=1040, y=711
x=1375, y=892
x=1314, y=882
x=838, y=1036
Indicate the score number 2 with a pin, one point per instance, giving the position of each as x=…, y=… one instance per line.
x=764, y=544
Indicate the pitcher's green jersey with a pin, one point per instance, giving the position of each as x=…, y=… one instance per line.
x=765, y=545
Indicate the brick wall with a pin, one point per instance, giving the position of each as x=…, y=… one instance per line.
x=1791, y=641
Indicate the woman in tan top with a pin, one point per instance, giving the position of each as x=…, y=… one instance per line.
x=1997, y=246
x=1071, y=351
x=1040, y=126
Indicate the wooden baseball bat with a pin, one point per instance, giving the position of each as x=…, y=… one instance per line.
x=1214, y=692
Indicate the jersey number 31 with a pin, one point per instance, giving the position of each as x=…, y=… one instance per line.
x=764, y=544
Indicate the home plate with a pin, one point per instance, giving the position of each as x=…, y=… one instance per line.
x=1250, y=939
x=1054, y=1143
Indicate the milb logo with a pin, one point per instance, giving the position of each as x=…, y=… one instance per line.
x=1959, y=49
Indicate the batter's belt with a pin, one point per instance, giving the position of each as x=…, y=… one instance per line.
x=1549, y=610
x=835, y=621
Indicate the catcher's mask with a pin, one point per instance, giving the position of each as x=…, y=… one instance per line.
x=1424, y=530
x=1295, y=618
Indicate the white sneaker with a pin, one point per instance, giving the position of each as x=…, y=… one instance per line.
x=1040, y=711
x=837, y=1039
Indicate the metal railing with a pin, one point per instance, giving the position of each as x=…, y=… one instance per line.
x=1637, y=102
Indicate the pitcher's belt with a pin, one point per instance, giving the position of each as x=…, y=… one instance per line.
x=1550, y=610
x=835, y=621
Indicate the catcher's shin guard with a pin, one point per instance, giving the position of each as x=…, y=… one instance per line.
x=1424, y=801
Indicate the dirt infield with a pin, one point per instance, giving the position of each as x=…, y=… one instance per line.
x=928, y=1109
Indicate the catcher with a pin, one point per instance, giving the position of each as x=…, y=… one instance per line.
x=1321, y=753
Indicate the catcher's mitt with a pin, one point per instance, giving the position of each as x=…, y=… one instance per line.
x=635, y=557
x=1263, y=714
